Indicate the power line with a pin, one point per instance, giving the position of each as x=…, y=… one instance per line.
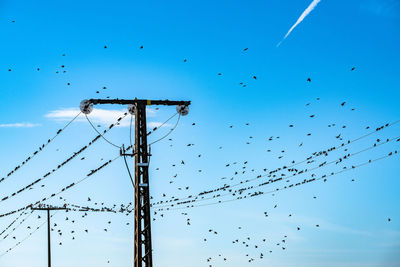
x=14, y=221
x=259, y=193
x=62, y=190
x=13, y=230
x=196, y=199
x=314, y=155
x=288, y=187
x=41, y=148
x=67, y=209
x=162, y=124
x=75, y=154
x=29, y=235
x=102, y=136
x=130, y=139
x=170, y=131
x=263, y=184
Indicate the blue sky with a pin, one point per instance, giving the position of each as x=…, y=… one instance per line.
x=211, y=35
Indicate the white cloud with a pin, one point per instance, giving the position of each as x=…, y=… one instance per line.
x=100, y=116
x=301, y=18
x=19, y=125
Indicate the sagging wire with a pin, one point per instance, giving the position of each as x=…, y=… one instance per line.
x=41, y=148
x=162, y=124
x=123, y=152
x=94, y=128
x=14, y=221
x=75, y=154
x=12, y=231
x=170, y=131
x=29, y=235
x=62, y=190
x=270, y=181
x=313, y=156
x=76, y=207
x=149, y=154
x=286, y=187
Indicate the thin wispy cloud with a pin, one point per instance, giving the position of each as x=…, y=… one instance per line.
x=19, y=125
x=301, y=18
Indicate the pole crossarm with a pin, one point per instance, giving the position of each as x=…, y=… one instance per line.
x=138, y=102
x=50, y=208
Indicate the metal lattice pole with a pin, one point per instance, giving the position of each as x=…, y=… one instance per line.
x=143, y=250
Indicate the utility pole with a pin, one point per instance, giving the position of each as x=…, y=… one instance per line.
x=48, y=209
x=143, y=248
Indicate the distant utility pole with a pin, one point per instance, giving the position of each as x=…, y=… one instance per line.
x=48, y=209
x=143, y=249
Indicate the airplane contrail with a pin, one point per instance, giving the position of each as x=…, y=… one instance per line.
x=301, y=18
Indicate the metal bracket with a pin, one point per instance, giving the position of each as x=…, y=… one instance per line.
x=145, y=164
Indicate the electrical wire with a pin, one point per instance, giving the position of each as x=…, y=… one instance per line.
x=102, y=209
x=41, y=148
x=62, y=190
x=14, y=221
x=286, y=187
x=314, y=155
x=162, y=124
x=29, y=235
x=129, y=172
x=348, y=142
x=171, y=130
x=130, y=139
x=5, y=237
x=75, y=154
x=126, y=163
x=195, y=199
x=94, y=128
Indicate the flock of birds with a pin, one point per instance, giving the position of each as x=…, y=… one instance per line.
x=236, y=188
